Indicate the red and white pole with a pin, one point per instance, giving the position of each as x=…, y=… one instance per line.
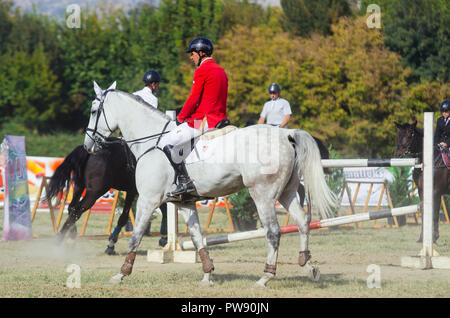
x=361, y=217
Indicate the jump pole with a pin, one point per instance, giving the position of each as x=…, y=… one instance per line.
x=391, y=162
x=260, y=233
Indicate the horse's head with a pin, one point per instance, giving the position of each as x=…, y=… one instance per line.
x=99, y=126
x=408, y=140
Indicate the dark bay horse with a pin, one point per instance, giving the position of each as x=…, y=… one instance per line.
x=410, y=144
x=112, y=167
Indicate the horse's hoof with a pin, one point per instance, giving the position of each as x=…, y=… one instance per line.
x=206, y=281
x=315, y=274
x=110, y=251
x=162, y=241
x=116, y=279
x=312, y=270
x=264, y=279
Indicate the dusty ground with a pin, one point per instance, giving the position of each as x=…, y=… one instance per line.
x=37, y=268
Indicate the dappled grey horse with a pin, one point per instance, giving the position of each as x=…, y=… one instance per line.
x=267, y=160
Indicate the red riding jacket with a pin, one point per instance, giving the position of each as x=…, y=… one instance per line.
x=208, y=96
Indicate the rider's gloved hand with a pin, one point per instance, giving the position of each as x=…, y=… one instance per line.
x=178, y=123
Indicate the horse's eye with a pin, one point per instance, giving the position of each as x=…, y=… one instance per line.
x=93, y=112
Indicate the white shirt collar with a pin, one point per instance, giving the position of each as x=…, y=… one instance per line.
x=146, y=88
x=206, y=58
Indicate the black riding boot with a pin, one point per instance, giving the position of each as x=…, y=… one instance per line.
x=185, y=184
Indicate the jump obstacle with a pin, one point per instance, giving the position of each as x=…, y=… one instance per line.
x=314, y=225
x=427, y=257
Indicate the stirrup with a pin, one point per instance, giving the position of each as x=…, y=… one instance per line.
x=182, y=188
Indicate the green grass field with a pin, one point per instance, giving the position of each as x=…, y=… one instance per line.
x=37, y=268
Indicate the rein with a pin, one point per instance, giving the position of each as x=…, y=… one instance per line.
x=157, y=142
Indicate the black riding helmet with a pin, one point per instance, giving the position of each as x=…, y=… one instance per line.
x=150, y=77
x=274, y=88
x=201, y=44
x=445, y=105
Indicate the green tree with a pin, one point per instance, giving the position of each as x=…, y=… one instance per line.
x=304, y=17
x=6, y=24
x=29, y=91
x=346, y=88
x=420, y=32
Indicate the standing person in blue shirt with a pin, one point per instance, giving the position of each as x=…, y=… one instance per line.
x=277, y=111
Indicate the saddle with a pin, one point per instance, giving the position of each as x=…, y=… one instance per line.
x=217, y=132
x=445, y=157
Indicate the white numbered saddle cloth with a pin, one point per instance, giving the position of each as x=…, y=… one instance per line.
x=207, y=143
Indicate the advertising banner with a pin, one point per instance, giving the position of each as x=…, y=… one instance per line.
x=16, y=220
x=365, y=176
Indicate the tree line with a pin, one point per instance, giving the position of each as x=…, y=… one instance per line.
x=346, y=83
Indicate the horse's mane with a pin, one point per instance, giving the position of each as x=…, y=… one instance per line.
x=420, y=131
x=140, y=101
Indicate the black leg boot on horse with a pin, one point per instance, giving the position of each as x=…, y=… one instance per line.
x=185, y=184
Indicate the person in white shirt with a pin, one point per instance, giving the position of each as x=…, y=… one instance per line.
x=277, y=111
x=151, y=80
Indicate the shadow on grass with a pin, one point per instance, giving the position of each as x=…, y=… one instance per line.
x=326, y=280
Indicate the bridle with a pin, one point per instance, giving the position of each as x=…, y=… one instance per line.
x=98, y=138
x=101, y=140
x=410, y=151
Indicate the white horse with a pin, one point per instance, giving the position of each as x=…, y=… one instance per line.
x=267, y=160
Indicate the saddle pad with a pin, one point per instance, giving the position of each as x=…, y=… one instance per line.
x=203, y=149
x=217, y=132
x=445, y=158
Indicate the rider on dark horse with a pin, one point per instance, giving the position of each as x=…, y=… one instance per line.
x=205, y=108
x=442, y=133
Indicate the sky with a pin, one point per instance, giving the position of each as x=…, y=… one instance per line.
x=57, y=8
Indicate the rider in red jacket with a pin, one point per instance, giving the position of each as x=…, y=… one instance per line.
x=204, y=109
x=208, y=97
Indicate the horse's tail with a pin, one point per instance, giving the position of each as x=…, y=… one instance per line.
x=324, y=153
x=75, y=162
x=308, y=163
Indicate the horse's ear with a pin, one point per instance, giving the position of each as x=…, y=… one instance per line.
x=97, y=89
x=113, y=85
x=413, y=122
x=398, y=125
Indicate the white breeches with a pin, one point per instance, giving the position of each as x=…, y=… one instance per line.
x=180, y=136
